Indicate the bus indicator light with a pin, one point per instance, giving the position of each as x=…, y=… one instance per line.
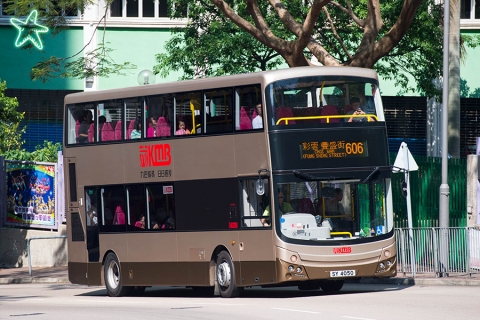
x=342, y=250
x=233, y=225
x=155, y=155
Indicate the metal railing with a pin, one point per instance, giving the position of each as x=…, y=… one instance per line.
x=28, y=249
x=438, y=250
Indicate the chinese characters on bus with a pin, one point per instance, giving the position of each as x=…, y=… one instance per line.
x=333, y=149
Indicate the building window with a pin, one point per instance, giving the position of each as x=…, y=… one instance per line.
x=139, y=9
x=470, y=9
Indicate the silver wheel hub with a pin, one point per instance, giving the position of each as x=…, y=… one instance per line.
x=113, y=276
x=224, y=274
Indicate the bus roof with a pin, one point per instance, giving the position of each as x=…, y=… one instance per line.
x=199, y=84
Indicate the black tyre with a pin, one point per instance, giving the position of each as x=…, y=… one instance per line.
x=309, y=285
x=226, y=276
x=113, y=277
x=331, y=285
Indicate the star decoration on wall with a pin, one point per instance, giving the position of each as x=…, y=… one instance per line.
x=29, y=30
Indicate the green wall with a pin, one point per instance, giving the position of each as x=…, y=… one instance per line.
x=470, y=70
x=16, y=63
x=137, y=46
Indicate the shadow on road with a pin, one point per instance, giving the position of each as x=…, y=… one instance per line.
x=258, y=292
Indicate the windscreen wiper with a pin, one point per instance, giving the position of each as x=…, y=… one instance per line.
x=375, y=170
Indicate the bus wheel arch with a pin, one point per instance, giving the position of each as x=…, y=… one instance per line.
x=113, y=276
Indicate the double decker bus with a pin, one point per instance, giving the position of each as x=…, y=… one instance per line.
x=277, y=178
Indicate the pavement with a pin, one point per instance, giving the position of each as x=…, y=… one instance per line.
x=59, y=275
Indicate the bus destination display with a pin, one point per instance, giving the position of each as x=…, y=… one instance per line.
x=333, y=149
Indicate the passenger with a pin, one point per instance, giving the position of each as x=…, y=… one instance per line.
x=181, y=131
x=169, y=224
x=333, y=205
x=141, y=223
x=137, y=132
x=257, y=122
x=283, y=207
x=92, y=216
x=85, y=121
x=152, y=127
x=101, y=122
x=356, y=110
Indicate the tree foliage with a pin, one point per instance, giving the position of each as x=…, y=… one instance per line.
x=10, y=131
x=402, y=40
x=11, y=134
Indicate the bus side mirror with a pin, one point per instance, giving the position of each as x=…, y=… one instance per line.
x=260, y=187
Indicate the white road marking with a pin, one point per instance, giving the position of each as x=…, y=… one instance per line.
x=294, y=310
x=357, y=318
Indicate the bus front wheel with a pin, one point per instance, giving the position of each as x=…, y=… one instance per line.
x=113, y=277
x=226, y=276
x=331, y=285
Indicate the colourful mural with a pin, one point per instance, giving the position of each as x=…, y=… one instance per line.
x=31, y=195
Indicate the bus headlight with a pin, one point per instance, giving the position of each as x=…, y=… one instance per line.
x=298, y=270
x=290, y=268
x=382, y=266
x=388, y=263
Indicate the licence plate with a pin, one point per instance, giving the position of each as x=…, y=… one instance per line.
x=342, y=273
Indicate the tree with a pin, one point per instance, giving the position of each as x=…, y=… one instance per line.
x=400, y=40
x=11, y=134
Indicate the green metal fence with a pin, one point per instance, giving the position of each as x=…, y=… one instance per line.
x=424, y=190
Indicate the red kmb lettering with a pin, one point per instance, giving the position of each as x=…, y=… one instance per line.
x=155, y=155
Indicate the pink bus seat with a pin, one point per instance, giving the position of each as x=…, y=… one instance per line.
x=131, y=127
x=107, y=132
x=285, y=112
x=163, y=129
x=306, y=206
x=254, y=113
x=91, y=129
x=245, y=121
x=150, y=132
x=119, y=216
x=118, y=130
x=330, y=110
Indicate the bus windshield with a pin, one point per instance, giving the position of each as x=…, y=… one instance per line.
x=308, y=101
x=319, y=210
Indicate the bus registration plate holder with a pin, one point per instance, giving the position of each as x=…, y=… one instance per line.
x=342, y=273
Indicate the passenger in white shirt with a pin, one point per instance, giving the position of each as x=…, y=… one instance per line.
x=257, y=122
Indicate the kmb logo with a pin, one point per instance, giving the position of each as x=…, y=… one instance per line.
x=342, y=250
x=155, y=155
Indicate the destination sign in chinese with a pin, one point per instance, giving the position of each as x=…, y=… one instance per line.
x=333, y=149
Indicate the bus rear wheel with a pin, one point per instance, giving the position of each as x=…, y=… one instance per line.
x=226, y=276
x=113, y=277
x=331, y=285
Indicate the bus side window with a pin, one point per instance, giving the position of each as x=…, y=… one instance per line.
x=246, y=98
x=253, y=204
x=161, y=208
x=218, y=111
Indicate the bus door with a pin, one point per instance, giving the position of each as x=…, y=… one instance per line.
x=257, y=254
x=77, y=254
